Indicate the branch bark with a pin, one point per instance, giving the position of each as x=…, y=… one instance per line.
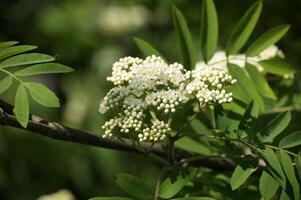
x=58, y=131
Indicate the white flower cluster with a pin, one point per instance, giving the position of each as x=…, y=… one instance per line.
x=208, y=86
x=150, y=89
x=219, y=59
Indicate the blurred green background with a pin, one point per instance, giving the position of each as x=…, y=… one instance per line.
x=89, y=35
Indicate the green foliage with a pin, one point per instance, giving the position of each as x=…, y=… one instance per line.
x=132, y=185
x=170, y=187
x=277, y=66
x=260, y=83
x=247, y=87
x=146, y=48
x=32, y=64
x=268, y=186
x=275, y=127
x=240, y=176
x=42, y=95
x=184, y=38
x=21, y=105
x=244, y=28
x=26, y=59
x=291, y=140
x=193, y=146
x=209, y=29
x=5, y=83
x=288, y=168
x=48, y=68
x=267, y=39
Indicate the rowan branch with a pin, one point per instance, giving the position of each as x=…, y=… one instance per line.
x=58, y=131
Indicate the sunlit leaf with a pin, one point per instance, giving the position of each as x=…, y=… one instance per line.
x=4, y=45
x=42, y=95
x=268, y=186
x=26, y=59
x=4, y=53
x=170, y=188
x=260, y=82
x=288, y=169
x=298, y=164
x=267, y=39
x=192, y=145
x=184, y=39
x=292, y=140
x=46, y=68
x=244, y=28
x=275, y=166
x=209, y=29
x=246, y=86
x=5, y=83
x=21, y=106
x=146, y=48
x=240, y=176
x=277, y=66
x=133, y=186
x=275, y=127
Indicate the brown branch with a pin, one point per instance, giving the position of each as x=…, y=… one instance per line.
x=58, y=131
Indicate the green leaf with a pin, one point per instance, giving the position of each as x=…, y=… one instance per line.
x=288, y=168
x=170, y=188
x=192, y=145
x=260, y=82
x=146, y=48
x=21, y=106
x=110, y=198
x=246, y=86
x=268, y=186
x=277, y=66
x=267, y=39
x=275, y=166
x=42, y=95
x=291, y=140
x=275, y=127
x=26, y=59
x=46, y=68
x=5, y=84
x=284, y=196
x=244, y=28
x=194, y=198
x=240, y=176
x=133, y=186
x=184, y=39
x=298, y=164
x=15, y=50
x=4, y=45
x=209, y=29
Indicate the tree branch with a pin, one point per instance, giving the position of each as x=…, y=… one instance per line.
x=58, y=131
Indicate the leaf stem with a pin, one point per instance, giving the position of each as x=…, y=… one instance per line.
x=11, y=74
x=280, y=149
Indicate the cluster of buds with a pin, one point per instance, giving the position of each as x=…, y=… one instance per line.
x=156, y=132
x=208, y=86
x=142, y=86
x=166, y=100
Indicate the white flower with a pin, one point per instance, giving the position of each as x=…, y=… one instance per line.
x=219, y=59
x=148, y=91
